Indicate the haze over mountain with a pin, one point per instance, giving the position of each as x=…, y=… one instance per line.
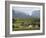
x=36, y=13
x=20, y=14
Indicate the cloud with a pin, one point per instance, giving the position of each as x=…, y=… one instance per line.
x=26, y=10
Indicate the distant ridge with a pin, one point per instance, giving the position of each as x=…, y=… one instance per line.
x=19, y=14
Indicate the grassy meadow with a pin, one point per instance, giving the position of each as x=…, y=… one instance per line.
x=19, y=24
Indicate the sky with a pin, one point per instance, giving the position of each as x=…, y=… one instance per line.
x=26, y=10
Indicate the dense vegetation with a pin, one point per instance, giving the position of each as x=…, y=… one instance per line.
x=26, y=24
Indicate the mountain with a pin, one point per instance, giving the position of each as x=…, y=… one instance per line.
x=36, y=13
x=18, y=14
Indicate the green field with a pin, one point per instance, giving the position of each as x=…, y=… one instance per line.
x=19, y=24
